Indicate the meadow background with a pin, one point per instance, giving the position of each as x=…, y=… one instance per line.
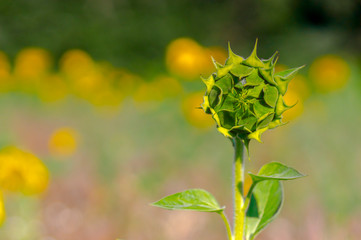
x=104, y=95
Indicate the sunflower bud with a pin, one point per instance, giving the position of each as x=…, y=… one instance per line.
x=245, y=96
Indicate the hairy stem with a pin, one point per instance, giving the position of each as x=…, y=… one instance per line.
x=239, y=207
x=228, y=227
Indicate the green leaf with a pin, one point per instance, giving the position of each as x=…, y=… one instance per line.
x=209, y=82
x=267, y=75
x=192, y=199
x=275, y=171
x=228, y=103
x=233, y=58
x=241, y=71
x=222, y=71
x=260, y=108
x=265, y=120
x=270, y=95
x=253, y=79
x=215, y=96
x=225, y=83
x=253, y=60
x=257, y=134
x=270, y=63
x=227, y=119
x=255, y=91
x=281, y=106
x=283, y=78
x=264, y=206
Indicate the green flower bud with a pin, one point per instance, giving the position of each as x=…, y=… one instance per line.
x=245, y=96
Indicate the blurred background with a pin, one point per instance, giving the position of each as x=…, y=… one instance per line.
x=98, y=106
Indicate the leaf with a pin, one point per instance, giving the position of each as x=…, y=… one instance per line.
x=255, y=91
x=270, y=95
x=257, y=134
x=233, y=58
x=264, y=207
x=215, y=96
x=265, y=120
x=253, y=79
x=253, y=60
x=191, y=199
x=241, y=71
x=227, y=119
x=225, y=83
x=209, y=82
x=271, y=61
x=260, y=108
x=281, y=106
x=267, y=75
x=275, y=171
x=283, y=78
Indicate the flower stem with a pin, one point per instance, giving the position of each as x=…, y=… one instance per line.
x=239, y=207
x=228, y=227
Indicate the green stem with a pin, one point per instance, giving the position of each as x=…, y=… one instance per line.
x=239, y=207
x=228, y=227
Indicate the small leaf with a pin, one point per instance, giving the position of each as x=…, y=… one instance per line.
x=209, y=82
x=225, y=83
x=264, y=207
x=253, y=79
x=265, y=120
x=283, y=78
x=233, y=58
x=192, y=199
x=222, y=71
x=260, y=108
x=241, y=71
x=253, y=60
x=217, y=65
x=267, y=75
x=205, y=105
x=257, y=134
x=281, y=106
x=275, y=171
x=271, y=62
x=255, y=91
x=270, y=95
x=227, y=119
x=228, y=104
x=215, y=96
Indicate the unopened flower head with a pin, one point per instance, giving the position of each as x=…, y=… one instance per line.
x=245, y=96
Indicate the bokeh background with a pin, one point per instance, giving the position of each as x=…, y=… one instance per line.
x=98, y=106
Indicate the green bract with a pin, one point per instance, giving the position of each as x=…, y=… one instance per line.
x=245, y=96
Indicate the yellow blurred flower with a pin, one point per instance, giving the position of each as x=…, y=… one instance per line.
x=329, y=73
x=187, y=59
x=63, y=141
x=76, y=63
x=2, y=209
x=53, y=88
x=192, y=112
x=32, y=63
x=157, y=90
x=21, y=171
x=292, y=98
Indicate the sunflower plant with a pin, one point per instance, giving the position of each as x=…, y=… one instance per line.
x=245, y=98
